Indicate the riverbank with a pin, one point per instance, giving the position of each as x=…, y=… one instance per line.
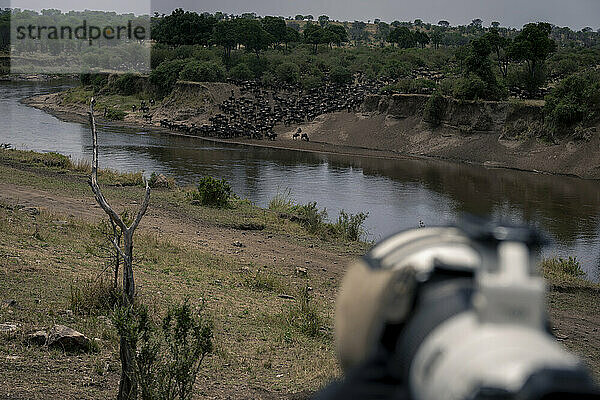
x=247, y=280
x=385, y=127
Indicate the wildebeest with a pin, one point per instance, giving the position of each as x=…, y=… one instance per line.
x=305, y=137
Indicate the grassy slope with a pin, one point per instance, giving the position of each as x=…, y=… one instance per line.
x=261, y=351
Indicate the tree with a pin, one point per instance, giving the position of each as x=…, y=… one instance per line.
x=4, y=29
x=291, y=36
x=323, y=21
x=418, y=22
x=395, y=24
x=403, y=37
x=495, y=24
x=533, y=45
x=128, y=385
x=358, y=31
x=336, y=34
x=276, y=27
x=477, y=23
x=383, y=32
x=437, y=37
x=309, y=17
x=315, y=35
x=500, y=46
x=226, y=35
x=184, y=28
x=253, y=36
x=443, y=23
x=422, y=38
x=299, y=17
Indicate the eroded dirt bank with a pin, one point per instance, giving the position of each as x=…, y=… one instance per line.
x=491, y=134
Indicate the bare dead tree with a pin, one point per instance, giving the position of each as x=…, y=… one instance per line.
x=128, y=384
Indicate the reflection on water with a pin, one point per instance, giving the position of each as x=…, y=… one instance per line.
x=396, y=193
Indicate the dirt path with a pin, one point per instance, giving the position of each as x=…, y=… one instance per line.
x=257, y=247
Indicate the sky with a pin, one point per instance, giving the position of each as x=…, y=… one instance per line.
x=512, y=13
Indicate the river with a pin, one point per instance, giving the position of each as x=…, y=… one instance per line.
x=396, y=193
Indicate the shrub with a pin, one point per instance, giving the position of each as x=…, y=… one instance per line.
x=164, y=77
x=470, y=88
x=263, y=280
x=241, y=72
x=167, y=358
x=115, y=115
x=127, y=84
x=350, y=226
x=196, y=71
x=340, y=75
x=435, y=109
x=575, y=100
x=288, y=72
x=311, y=217
x=282, y=202
x=212, y=192
x=562, y=270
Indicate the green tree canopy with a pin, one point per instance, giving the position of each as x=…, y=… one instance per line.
x=403, y=37
x=315, y=35
x=184, y=28
x=253, y=36
x=533, y=45
x=276, y=27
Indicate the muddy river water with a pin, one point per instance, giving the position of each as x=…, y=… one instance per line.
x=396, y=193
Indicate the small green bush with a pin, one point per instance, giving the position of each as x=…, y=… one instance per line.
x=350, y=226
x=560, y=270
x=288, y=72
x=340, y=75
x=127, y=84
x=115, y=115
x=575, y=100
x=241, y=72
x=311, y=217
x=167, y=357
x=202, y=72
x=212, y=192
x=435, y=109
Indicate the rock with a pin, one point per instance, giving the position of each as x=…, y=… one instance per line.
x=238, y=244
x=67, y=338
x=9, y=328
x=301, y=271
x=38, y=337
x=286, y=296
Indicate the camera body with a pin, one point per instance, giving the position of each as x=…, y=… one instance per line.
x=461, y=313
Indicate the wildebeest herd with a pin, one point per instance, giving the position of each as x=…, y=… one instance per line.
x=258, y=109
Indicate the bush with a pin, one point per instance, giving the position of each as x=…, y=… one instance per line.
x=575, y=100
x=127, y=84
x=164, y=77
x=202, y=72
x=212, y=192
x=115, y=115
x=561, y=270
x=435, y=109
x=288, y=72
x=340, y=75
x=311, y=217
x=167, y=358
x=470, y=88
x=241, y=72
x=350, y=226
